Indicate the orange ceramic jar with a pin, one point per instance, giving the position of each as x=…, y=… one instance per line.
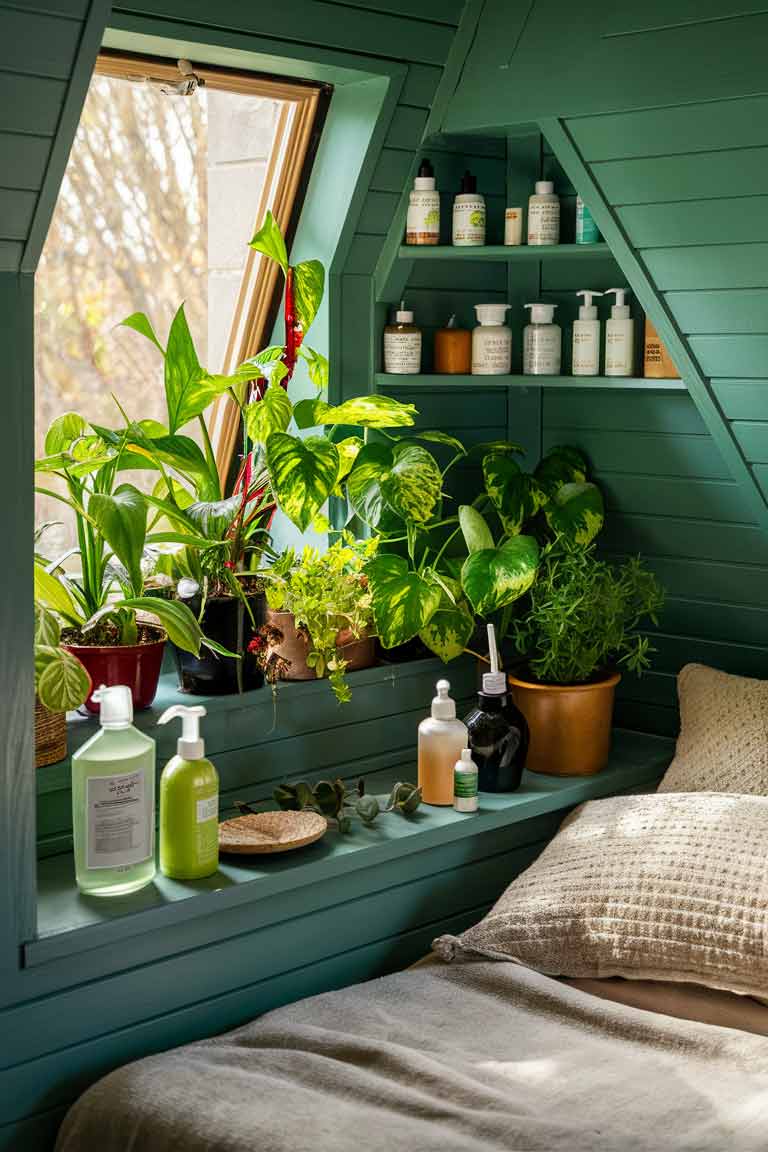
x=453, y=350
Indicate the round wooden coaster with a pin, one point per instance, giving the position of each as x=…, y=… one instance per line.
x=271, y=831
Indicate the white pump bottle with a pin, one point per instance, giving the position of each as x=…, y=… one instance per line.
x=585, y=360
x=619, y=337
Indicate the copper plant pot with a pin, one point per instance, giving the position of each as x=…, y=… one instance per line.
x=570, y=724
x=295, y=647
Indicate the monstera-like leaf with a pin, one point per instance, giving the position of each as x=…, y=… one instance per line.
x=515, y=494
x=303, y=474
x=576, y=512
x=561, y=465
x=403, y=602
x=402, y=477
x=448, y=630
x=270, y=414
x=494, y=577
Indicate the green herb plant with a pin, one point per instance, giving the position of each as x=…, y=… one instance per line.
x=334, y=800
x=329, y=597
x=582, y=614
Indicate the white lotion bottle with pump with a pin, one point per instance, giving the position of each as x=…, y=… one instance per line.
x=441, y=740
x=585, y=358
x=113, y=801
x=619, y=337
x=542, y=342
x=491, y=341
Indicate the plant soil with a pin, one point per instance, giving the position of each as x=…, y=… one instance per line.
x=105, y=634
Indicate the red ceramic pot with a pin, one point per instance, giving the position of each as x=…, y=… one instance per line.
x=137, y=665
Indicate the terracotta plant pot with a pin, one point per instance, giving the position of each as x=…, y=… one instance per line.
x=226, y=621
x=137, y=665
x=294, y=648
x=570, y=725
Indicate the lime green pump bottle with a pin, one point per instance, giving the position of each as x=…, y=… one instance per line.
x=189, y=803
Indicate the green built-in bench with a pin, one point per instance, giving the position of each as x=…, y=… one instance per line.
x=107, y=981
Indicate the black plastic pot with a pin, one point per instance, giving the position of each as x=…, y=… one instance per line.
x=412, y=650
x=226, y=621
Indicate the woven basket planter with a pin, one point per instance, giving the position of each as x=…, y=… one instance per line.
x=50, y=735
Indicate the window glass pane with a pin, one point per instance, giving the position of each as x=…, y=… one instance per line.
x=159, y=200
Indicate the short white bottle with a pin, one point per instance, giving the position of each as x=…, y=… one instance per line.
x=441, y=739
x=619, y=337
x=468, y=214
x=491, y=341
x=423, y=220
x=544, y=214
x=585, y=356
x=465, y=777
x=402, y=344
x=542, y=342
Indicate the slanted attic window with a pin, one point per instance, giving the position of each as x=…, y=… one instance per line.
x=172, y=169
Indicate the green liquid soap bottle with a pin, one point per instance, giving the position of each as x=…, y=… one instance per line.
x=113, y=801
x=189, y=803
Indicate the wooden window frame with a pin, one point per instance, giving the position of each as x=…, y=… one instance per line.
x=297, y=134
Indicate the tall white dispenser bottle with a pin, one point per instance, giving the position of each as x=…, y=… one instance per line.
x=585, y=358
x=619, y=337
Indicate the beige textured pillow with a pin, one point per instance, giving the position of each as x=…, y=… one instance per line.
x=657, y=887
x=723, y=741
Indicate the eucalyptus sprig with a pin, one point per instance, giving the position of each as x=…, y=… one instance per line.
x=334, y=800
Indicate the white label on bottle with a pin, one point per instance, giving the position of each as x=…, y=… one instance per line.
x=402, y=353
x=544, y=222
x=423, y=218
x=586, y=350
x=120, y=823
x=491, y=351
x=541, y=350
x=618, y=349
x=469, y=222
x=207, y=809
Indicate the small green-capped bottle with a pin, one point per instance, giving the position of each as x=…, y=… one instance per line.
x=189, y=803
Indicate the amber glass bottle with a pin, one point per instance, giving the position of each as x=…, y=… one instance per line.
x=453, y=350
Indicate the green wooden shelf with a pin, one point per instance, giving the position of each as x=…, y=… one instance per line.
x=69, y=923
x=605, y=383
x=504, y=252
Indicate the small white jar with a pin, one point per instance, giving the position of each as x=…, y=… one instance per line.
x=491, y=341
x=513, y=227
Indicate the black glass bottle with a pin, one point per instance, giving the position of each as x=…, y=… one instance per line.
x=498, y=737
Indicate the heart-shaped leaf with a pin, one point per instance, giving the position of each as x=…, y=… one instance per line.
x=372, y=411
x=576, y=512
x=63, y=431
x=561, y=465
x=515, y=494
x=122, y=520
x=402, y=601
x=364, y=482
x=61, y=681
x=303, y=474
x=436, y=437
x=213, y=518
x=413, y=485
x=448, y=631
x=317, y=366
x=308, y=286
x=270, y=414
x=476, y=533
x=269, y=241
x=349, y=450
x=498, y=576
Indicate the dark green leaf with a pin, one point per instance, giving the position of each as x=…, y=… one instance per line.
x=562, y=465
x=177, y=620
x=403, y=602
x=499, y=576
x=213, y=518
x=576, y=512
x=515, y=494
